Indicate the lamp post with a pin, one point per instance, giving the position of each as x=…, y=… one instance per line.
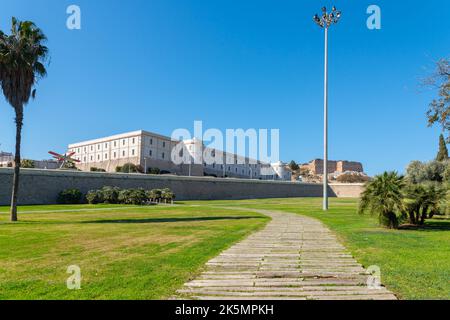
x=325, y=21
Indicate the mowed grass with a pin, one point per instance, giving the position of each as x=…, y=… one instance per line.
x=415, y=264
x=123, y=252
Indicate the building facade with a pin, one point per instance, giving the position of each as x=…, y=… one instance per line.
x=6, y=159
x=150, y=150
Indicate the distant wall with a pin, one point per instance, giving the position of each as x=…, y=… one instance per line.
x=342, y=190
x=43, y=186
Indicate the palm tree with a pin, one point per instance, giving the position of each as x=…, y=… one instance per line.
x=384, y=196
x=22, y=57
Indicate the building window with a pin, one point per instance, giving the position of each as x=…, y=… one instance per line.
x=84, y=159
x=106, y=156
x=92, y=158
x=164, y=144
x=151, y=141
x=134, y=140
x=115, y=155
x=115, y=144
x=123, y=142
x=132, y=152
x=98, y=157
x=150, y=153
x=92, y=148
x=214, y=165
x=123, y=153
x=163, y=155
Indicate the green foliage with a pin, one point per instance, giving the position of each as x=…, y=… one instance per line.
x=423, y=201
x=167, y=195
x=294, y=166
x=70, y=196
x=133, y=196
x=27, y=164
x=119, y=169
x=384, y=196
x=110, y=195
x=95, y=169
x=155, y=195
x=155, y=171
x=131, y=168
x=94, y=197
x=419, y=172
x=22, y=58
x=439, y=109
x=443, y=151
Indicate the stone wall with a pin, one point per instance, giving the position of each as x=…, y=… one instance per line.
x=43, y=186
x=343, y=190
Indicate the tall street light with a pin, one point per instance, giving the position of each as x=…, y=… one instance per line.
x=325, y=21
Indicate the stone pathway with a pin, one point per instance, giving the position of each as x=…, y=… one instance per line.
x=294, y=257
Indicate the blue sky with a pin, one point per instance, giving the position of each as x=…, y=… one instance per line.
x=159, y=65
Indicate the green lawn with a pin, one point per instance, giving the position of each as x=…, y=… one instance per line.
x=149, y=252
x=123, y=253
x=415, y=264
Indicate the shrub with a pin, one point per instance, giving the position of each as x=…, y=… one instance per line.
x=419, y=172
x=423, y=201
x=131, y=168
x=27, y=164
x=94, y=169
x=153, y=171
x=167, y=195
x=94, y=197
x=70, y=196
x=384, y=196
x=118, y=169
x=110, y=195
x=155, y=195
x=133, y=196
x=352, y=177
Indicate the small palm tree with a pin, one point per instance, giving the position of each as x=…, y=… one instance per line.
x=384, y=196
x=22, y=57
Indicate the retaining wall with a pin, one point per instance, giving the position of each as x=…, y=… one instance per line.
x=43, y=186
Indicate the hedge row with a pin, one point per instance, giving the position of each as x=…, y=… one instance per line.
x=114, y=195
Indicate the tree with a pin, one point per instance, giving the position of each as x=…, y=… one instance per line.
x=22, y=57
x=28, y=164
x=423, y=201
x=439, y=109
x=294, y=166
x=443, y=151
x=384, y=196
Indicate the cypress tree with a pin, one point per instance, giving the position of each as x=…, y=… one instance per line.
x=443, y=151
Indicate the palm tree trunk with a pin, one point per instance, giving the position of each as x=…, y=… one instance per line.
x=15, y=186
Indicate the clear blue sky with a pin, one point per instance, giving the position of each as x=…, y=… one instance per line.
x=159, y=65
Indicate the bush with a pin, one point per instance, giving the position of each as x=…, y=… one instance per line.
x=153, y=171
x=131, y=168
x=94, y=169
x=70, y=196
x=352, y=177
x=27, y=164
x=110, y=195
x=167, y=195
x=419, y=172
x=118, y=169
x=155, y=195
x=423, y=201
x=133, y=196
x=94, y=197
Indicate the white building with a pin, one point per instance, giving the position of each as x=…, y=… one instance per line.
x=150, y=150
x=6, y=159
